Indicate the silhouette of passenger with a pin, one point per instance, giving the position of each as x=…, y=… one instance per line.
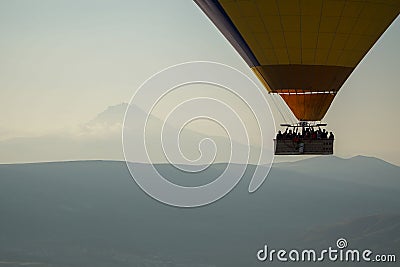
x=331, y=136
x=307, y=134
x=296, y=138
x=279, y=135
x=290, y=135
x=318, y=134
x=313, y=135
x=324, y=134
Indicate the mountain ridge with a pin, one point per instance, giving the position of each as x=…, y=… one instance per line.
x=314, y=160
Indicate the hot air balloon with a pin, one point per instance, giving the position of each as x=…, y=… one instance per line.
x=302, y=50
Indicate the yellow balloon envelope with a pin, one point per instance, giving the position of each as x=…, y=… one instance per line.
x=303, y=50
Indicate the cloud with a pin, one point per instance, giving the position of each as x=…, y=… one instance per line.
x=101, y=138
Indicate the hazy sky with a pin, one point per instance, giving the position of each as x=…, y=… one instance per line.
x=63, y=62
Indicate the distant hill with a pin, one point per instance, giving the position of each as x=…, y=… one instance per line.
x=91, y=213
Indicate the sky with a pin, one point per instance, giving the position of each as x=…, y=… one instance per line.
x=64, y=62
